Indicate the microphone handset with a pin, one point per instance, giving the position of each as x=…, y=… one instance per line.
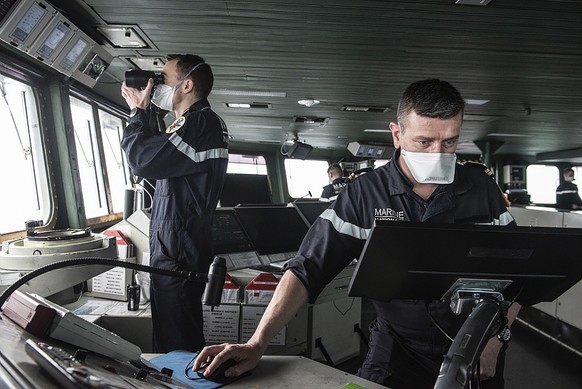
x=213, y=291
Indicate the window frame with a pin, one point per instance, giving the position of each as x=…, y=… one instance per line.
x=29, y=75
x=98, y=103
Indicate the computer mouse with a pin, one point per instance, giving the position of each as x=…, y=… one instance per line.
x=218, y=374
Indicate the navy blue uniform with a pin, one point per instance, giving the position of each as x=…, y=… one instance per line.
x=567, y=195
x=331, y=191
x=405, y=344
x=189, y=162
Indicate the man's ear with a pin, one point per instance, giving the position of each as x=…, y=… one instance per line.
x=395, y=129
x=188, y=85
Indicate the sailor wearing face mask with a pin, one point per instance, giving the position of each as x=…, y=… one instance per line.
x=188, y=161
x=421, y=183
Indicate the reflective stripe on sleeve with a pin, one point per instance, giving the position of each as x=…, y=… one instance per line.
x=197, y=156
x=344, y=227
x=504, y=219
x=566, y=192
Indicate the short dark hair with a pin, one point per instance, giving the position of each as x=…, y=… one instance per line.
x=335, y=168
x=567, y=170
x=202, y=76
x=431, y=98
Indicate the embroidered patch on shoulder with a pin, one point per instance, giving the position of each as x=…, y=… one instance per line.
x=178, y=123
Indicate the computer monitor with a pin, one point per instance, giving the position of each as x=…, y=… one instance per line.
x=310, y=210
x=245, y=189
x=421, y=261
x=272, y=229
x=228, y=235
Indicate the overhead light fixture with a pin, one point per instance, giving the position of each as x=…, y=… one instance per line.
x=364, y=108
x=248, y=93
x=238, y=105
x=506, y=135
x=310, y=121
x=153, y=64
x=261, y=141
x=258, y=126
x=481, y=118
x=377, y=130
x=125, y=36
x=308, y=102
x=476, y=101
x=473, y=2
x=248, y=105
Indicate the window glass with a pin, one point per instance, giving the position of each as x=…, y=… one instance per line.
x=117, y=171
x=542, y=181
x=577, y=175
x=306, y=178
x=88, y=160
x=25, y=193
x=246, y=164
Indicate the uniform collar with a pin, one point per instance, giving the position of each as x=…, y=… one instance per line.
x=200, y=105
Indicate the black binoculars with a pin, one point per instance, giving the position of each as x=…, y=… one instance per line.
x=139, y=78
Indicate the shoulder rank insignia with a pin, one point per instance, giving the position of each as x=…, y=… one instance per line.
x=487, y=171
x=478, y=165
x=178, y=123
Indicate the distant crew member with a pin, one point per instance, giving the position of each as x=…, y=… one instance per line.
x=337, y=182
x=567, y=193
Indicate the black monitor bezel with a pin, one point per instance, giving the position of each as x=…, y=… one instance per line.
x=307, y=216
x=426, y=259
x=225, y=248
x=286, y=231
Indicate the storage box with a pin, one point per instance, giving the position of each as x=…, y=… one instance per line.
x=261, y=289
x=251, y=316
x=113, y=283
x=223, y=324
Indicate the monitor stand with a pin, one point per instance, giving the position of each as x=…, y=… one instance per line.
x=488, y=318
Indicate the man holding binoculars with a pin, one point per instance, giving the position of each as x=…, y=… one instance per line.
x=188, y=161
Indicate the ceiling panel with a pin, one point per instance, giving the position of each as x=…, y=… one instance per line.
x=525, y=56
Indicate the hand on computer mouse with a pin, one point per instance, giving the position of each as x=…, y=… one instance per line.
x=218, y=374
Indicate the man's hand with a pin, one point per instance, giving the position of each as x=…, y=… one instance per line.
x=137, y=98
x=488, y=360
x=247, y=357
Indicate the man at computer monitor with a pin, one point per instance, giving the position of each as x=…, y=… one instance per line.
x=422, y=183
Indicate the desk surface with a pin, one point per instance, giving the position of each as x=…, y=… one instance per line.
x=295, y=372
x=272, y=371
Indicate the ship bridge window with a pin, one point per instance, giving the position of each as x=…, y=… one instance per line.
x=101, y=162
x=542, y=181
x=246, y=164
x=25, y=193
x=306, y=178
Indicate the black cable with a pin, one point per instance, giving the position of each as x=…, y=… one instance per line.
x=436, y=324
x=197, y=277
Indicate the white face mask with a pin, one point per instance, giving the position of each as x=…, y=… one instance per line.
x=430, y=168
x=163, y=96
